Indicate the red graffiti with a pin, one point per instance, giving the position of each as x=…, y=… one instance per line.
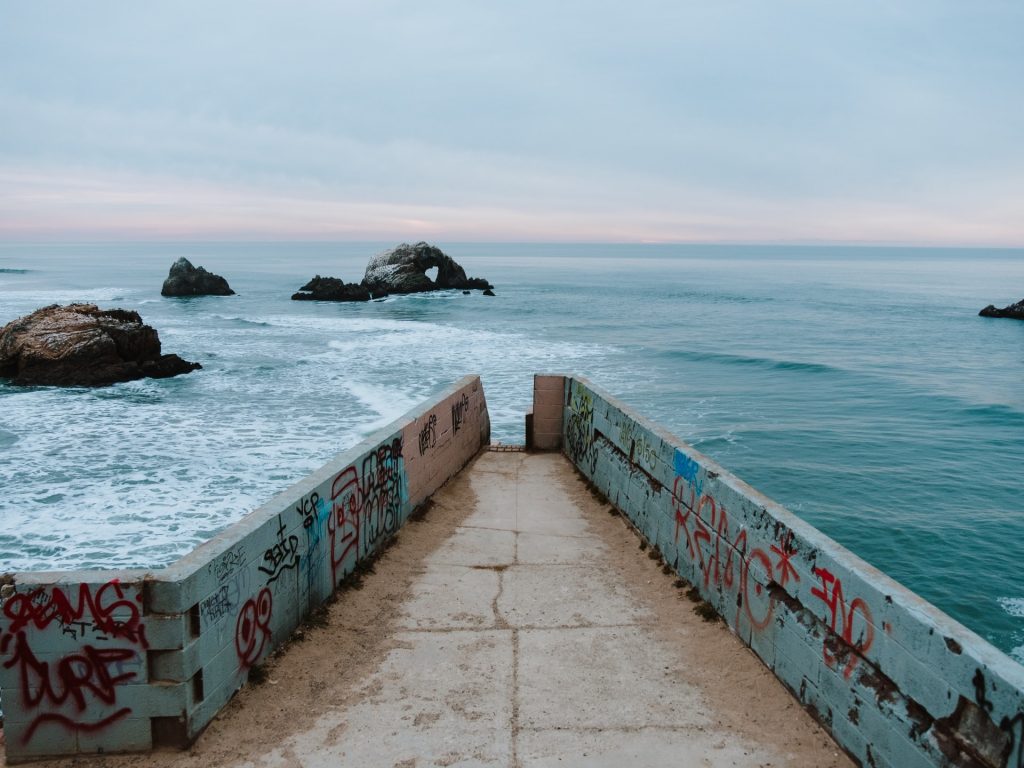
x=683, y=512
x=71, y=725
x=252, y=629
x=759, y=619
x=90, y=672
x=836, y=603
x=722, y=556
x=785, y=551
x=87, y=678
x=41, y=608
x=343, y=522
x=366, y=506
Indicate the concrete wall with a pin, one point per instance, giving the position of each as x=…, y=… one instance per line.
x=896, y=681
x=544, y=421
x=125, y=660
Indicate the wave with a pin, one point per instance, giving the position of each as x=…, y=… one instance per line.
x=12, y=271
x=759, y=362
x=1012, y=605
x=243, y=321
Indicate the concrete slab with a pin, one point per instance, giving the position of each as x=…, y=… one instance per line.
x=440, y=698
x=610, y=748
x=545, y=549
x=566, y=596
x=602, y=678
x=451, y=597
x=476, y=546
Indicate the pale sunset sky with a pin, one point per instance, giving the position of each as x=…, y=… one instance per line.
x=668, y=121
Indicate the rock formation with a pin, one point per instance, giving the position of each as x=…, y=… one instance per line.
x=186, y=280
x=403, y=269
x=1013, y=311
x=82, y=345
x=332, y=289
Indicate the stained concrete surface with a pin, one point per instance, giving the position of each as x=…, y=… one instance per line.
x=519, y=625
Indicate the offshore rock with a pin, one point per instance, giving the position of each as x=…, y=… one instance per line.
x=403, y=269
x=332, y=289
x=186, y=280
x=82, y=345
x=1014, y=311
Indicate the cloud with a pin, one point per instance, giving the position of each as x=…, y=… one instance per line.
x=656, y=120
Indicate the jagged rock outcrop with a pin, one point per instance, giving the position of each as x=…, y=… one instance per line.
x=403, y=269
x=1013, y=311
x=332, y=289
x=186, y=280
x=82, y=345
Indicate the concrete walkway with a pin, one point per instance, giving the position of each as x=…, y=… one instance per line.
x=518, y=625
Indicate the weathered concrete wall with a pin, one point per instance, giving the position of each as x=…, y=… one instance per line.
x=896, y=681
x=125, y=660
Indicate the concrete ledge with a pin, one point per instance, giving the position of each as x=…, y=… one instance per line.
x=115, y=661
x=895, y=680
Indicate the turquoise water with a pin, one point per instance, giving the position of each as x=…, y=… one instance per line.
x=857, y=386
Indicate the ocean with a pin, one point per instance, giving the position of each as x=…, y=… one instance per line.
x=857, y=386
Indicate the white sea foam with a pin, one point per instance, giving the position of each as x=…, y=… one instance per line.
x=1013, y=606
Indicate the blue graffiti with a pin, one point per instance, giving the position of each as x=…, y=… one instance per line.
x=688, y=469
x=317, y=512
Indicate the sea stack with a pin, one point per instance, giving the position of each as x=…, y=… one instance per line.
x=81, y=345
x=403, y=269
x=187, y=280
x=1013, y=311
x=332, y=289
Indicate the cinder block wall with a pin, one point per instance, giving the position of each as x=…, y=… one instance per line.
x=118, y=661
x=544, y=432
x=896, y=681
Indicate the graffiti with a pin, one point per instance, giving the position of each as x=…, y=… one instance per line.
x=252, y=628
x=89, y=675
x=227, y=564
x=282, y=555
x=459, y=410
x=313, y=510
x=41, y=609
x=307, y=509
x=639, y=447
x=218, y=605
x=687, y=469
x=722, y=555
x=428, y=435
x=579, y=431
x=367, y=505
x=785, y=551
x=831, y=593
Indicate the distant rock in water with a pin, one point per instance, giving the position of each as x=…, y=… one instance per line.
x=332, y=289
x=488, y=292
x=403, y=269
x=82, y=345
x=186, y=280
x=1014, y=311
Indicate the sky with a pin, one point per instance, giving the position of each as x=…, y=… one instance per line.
x=641, y=121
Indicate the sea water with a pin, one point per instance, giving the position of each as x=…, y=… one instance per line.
x=857, y=386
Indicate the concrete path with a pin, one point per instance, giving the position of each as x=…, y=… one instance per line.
x=518, y=625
